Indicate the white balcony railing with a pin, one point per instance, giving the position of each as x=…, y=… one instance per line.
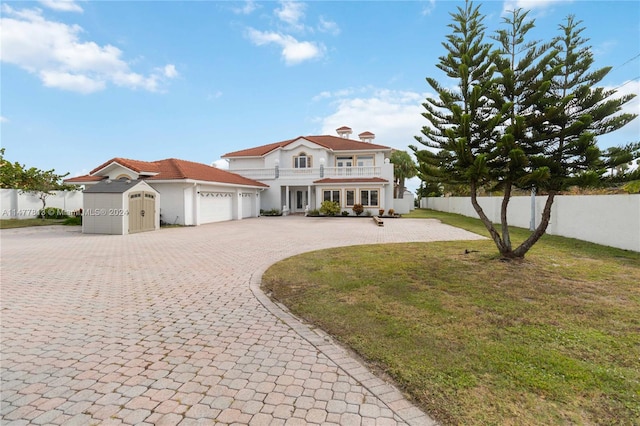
x=311, y=173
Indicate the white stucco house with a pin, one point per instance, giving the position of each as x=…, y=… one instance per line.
x=190, y=193
x=303, y=172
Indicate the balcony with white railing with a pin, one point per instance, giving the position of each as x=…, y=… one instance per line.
x=312, y=173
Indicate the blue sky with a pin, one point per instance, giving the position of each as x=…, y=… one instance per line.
x=86, y=81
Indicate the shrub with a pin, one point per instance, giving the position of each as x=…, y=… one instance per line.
x=381, y=212
x=345, y=213
x=392, y=212
x=272, y=212
x=329, y=208
x=357, y=209
x=314, y=212
x=52, y=213
x=73, y=221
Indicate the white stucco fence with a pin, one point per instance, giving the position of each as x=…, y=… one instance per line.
x=16, y=205
x=611, y=220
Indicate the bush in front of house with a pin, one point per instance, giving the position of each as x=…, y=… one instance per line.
x=329, y=208
x=52, y=213
x=314, y=212
x=358, y=209
x=345, y=213
x=272, y=212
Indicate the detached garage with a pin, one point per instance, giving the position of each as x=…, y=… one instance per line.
x=120, y=207
x=192, y=193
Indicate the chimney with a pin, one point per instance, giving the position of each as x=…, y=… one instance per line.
x=366, y=137
x=344, y=132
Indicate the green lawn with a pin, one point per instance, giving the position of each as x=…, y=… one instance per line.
x=24, y=223
x=554, y=339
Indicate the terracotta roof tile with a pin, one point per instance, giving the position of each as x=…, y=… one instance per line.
x=85, y=178
x=332, y=143
x=172, y=169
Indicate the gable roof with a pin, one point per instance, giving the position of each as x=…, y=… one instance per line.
x=113, y=186
x=171, y=169
x=332, y=143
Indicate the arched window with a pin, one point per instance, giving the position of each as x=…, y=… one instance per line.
x=302, y=161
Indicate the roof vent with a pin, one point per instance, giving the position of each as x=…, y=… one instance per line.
x=366, y=137
x=344, y=132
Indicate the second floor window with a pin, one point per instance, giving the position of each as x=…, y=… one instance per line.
x=302, y=161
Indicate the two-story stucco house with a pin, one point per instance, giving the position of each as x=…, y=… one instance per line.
x=303, y=172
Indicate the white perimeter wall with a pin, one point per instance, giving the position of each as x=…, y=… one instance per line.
x=611, y=220
x=15, y=205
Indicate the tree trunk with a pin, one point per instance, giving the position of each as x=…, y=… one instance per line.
x=540, y=230
x=485, y=220
x=506, y=238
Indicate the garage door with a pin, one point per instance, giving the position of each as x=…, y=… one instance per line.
x=215, y=206
x=248, y=203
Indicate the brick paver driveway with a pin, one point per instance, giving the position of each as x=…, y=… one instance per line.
x=169, y=327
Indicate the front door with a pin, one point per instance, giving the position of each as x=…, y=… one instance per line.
x=301, y=200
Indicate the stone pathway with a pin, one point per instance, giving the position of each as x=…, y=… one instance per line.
x=170, y=327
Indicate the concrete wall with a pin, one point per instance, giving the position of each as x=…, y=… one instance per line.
x=15, y=205
x=611, y=220
x=404, y=205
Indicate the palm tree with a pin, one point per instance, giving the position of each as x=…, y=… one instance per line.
x=403, y=168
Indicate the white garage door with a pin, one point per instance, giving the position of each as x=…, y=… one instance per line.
x=248, y=203
x=215, y=206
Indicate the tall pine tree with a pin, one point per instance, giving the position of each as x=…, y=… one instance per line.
x=524, y=115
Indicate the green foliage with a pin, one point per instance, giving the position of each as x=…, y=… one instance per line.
x=345, y=213
x=52, y=213
x=40, y=183
x=73, y=221
x=314, y=212
x=272, y=212
x=357, y=209
x=403, y=168
x=525, y=115
x=329, y=208
x=632, y=187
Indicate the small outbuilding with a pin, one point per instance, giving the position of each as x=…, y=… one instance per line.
x=120, y=207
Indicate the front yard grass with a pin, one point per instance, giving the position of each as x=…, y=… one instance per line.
x=23, y=223
x=554, y=339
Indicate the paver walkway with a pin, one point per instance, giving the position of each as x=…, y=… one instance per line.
x=170, y=327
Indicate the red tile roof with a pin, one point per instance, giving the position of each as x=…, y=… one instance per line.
x=172, y=169
x=332, y=143
x=352, y=180
x=85, y=178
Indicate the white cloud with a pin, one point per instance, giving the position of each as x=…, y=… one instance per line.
x=249, y=7
x=62, y=5
x=630, y=132
x=291, y=12
x=3, y=119
x=429, y=6
x=73, y=82
x=393, y=116
x=54, y=51
x=170, y=71
x=326, y=26
x=221, y=164
x=510, y=5
x=293, y=51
